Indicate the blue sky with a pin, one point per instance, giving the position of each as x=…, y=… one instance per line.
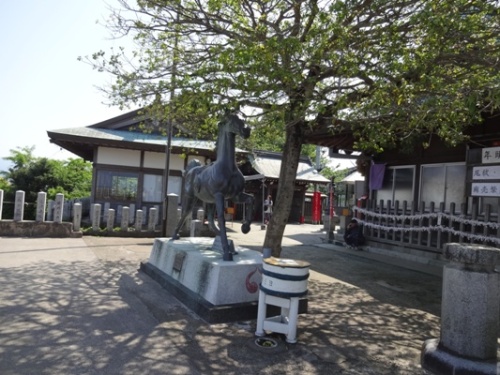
x=42, y=85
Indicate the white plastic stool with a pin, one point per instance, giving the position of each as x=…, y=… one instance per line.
x=286, y=323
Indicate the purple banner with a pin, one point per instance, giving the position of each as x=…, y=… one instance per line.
x=377, y=172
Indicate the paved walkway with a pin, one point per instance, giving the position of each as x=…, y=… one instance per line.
x=79, y=306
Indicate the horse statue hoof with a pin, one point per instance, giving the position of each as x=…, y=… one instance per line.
x=245, y=228
x=175, y=237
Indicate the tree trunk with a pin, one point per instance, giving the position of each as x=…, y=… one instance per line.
x=286, y=188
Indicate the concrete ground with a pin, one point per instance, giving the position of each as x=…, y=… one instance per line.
x=79, y=306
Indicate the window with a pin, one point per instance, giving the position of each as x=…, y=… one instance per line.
x=398, y=185
x=116, y=185
x=152, y=188
x=175, y=185
x=443, y=183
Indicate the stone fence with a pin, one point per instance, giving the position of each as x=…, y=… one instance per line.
x=52, y=218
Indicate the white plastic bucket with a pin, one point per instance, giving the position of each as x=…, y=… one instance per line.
x=284, y=278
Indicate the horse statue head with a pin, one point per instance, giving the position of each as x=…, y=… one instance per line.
x=233, y=124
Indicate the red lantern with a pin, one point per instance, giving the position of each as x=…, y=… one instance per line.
x=316, y=207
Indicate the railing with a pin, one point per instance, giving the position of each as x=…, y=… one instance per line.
x=427, y=227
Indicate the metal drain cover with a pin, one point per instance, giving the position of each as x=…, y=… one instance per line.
x=266, y=342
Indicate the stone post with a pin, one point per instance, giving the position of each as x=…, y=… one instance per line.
x=469, y=313
x=41, y=202
x=195, y=230
x=58, y=208
x=105, y=212
x=19, y=206
x=96, y=216
x=138, y=220
x=77, y=216
x=110, y=220
x=66, y=212
x=157, y=214
x=153, y=219
x=50, y=210
x=172, y=215
x=91, y=212
x=1, y=203
x=125, y=218
x=119, y=211
x=200, y=215
x=132, y=211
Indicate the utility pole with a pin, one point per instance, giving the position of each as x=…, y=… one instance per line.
x=166, y=172
x=331, y=226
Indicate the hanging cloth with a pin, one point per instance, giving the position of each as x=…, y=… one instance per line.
x=377, y=172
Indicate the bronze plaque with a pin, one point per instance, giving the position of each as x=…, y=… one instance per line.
x=179, y=261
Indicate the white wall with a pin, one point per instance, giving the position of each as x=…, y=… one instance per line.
x=118, y=156
x=157, y=160
x=132, y=158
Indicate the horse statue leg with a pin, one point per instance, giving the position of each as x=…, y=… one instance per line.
x=248, y=200
x=210, y=218
x=187, y=209
x=219, y=205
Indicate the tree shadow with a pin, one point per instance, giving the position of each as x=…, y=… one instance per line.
x=384, y=282
x=102, y=316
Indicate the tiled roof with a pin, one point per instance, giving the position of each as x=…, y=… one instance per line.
x=134, y=137
x=269, y=164
x=352, y=177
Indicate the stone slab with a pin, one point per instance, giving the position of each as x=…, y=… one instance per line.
x=193, y=263
x=31, y=228
x=216, y=290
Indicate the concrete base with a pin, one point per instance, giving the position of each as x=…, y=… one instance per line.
x=31, y=228
x=437, y=360
x=216, y=290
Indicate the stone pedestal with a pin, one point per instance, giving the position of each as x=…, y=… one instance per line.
x=469, y=314
x=216, y=290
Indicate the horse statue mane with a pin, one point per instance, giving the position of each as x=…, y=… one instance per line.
x=217, y=182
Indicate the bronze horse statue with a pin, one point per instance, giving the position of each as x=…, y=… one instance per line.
x=215, y=183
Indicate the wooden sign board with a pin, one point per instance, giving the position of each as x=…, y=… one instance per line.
x=486, y=172
x=490, y=155
x=485, y=189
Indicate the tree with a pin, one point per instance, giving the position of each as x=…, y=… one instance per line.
x=72, y=177
x=28, y=173
x=391, y=72
x=31, y=174
x=4, y=184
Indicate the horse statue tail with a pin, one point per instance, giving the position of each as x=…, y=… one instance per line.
x=192, y=164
